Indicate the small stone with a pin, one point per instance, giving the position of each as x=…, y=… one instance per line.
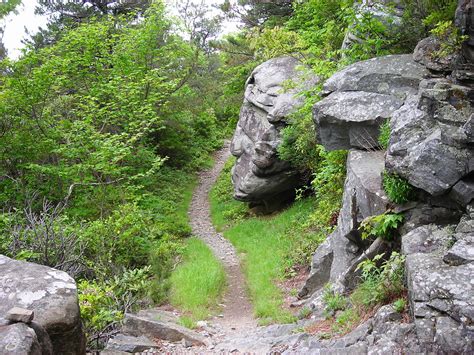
x=17, y=314
x=201, y=324
x=186, y=343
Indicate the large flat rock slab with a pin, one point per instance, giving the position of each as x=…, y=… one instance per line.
x=363, y=96
x=396, y=75
x=346, y=120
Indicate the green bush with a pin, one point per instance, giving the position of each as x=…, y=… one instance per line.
x=104, y=303
x=397, y=189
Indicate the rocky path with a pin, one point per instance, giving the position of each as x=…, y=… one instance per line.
x=237, y=309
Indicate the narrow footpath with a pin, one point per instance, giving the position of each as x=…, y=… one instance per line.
x=237, y=309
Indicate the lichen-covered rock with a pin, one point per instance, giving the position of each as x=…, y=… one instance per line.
x=348, y=120
x=428, y=144
x=156, y=324
x=426, y=53
x=362, y=97
x=320, y=269
x=51, y=294
x=440, y=287
x=259, y=175
x=19, y=339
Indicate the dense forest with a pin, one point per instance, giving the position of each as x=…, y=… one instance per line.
x=112, y=109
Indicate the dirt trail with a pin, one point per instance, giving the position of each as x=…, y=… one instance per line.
x=237, y=309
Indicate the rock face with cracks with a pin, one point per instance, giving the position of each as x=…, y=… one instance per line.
x=259, y=175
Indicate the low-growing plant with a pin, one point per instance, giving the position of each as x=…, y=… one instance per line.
x=384, y=136
x=333, y=301
x=380, y=284
x=345, y=321
x=397, y=188
x=399, y=305
x=383, y=225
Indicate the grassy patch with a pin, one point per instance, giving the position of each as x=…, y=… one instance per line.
x=197, y=283
x=225, y=211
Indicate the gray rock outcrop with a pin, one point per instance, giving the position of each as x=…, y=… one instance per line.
x=51, y=294
x=363, y=96
x=259, y=175
x=429, y=145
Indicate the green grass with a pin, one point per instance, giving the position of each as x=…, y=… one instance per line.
x=198, y=282
x=226, y=211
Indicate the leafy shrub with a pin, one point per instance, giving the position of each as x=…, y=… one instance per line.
x=384, y=225
x=379, y=284
x=384, y=136
x=450, y=38
x=103, y=303
x=163, y=259
x=397, y=189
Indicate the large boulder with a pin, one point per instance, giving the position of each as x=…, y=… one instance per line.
x=361, y=97
x=51, y=294
x=429, y=144
x=259, y=175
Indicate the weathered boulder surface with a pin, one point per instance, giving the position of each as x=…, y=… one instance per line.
x=259, y=175
x=439, y=269
x=51, y=294
x=396, y=75
x=19, y=339
x=362, y=97
x=429, y=145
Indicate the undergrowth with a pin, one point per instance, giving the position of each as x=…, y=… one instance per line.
x=381, y=282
